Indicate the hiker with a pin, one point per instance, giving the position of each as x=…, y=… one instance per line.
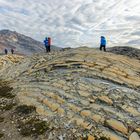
x=49, y=44
x=46, y=44
x=6, y=51
x=12, y=51
x=103, y=43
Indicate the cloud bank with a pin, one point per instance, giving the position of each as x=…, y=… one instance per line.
x=76, y=22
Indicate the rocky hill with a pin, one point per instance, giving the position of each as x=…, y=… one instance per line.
x=82, y=94
x=128, y=51
x=20, y=43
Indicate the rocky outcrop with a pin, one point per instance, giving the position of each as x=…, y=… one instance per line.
x=127, y=51
x=96, y=91
x=20, y=43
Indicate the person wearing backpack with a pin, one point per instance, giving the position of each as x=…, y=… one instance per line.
x=49, y=44
x=46, y=44
x=103, y=43
x=6, y=51
x=12, y=51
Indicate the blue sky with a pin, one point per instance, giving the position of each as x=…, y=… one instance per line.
x=76, y=22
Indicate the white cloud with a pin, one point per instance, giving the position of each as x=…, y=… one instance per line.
x=75, y=22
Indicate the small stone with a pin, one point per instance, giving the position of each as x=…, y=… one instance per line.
x=3, y=130
x=134, y=136
x=74, y=130
x=98, y=118
x=137, y=130
x=85, y=113
x=84, y=93
x=33, y=129
x=106, y=100
x=90, y=137
x=60, y=111
x=133, y=111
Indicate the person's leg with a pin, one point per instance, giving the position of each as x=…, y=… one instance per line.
x=49, y=48
x=100, y=47
x=104, y=48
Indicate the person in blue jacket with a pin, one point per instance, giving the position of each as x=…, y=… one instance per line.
x=46, y=44
x=103, y=43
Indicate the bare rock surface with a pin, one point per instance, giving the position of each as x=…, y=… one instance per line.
x=126, y=50
x=96, y=91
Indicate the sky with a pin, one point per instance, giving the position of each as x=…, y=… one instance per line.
x=74, y=23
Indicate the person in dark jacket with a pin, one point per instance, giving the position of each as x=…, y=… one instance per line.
x=46, y=44
x=103, y=43
x=6, y=51
x=49, y=44
x=12, y=51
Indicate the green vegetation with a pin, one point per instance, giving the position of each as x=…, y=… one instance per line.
x=103, y=138
x=1, y=119
x=7, y=106
x=32, y=126
x=5, y=91
x=1, y=135
x=24, y=109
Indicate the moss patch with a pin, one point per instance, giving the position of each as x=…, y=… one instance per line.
x=24, y=109
x=103, y=138
x=32, y=126
x=1, y=119
x=1, y=135
x=5, y=92
x=7, y=106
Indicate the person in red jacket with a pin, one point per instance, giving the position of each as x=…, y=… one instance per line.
x=49, y=44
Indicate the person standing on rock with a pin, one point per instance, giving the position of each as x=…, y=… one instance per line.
x=49, y=44
x=12, y=51
x=103, y=43
x=6, y=51
x=46, y=44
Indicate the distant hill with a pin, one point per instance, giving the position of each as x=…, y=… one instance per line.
x=127, y=51
x=20, y=43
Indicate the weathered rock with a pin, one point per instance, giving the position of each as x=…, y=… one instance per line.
x=98, y=118
x=137, y=130
x=85, y=113
x=84, y=88
x=134, y=136
x=90, y=137
x=106, y=100
x=117, y=125
x=111, y=135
